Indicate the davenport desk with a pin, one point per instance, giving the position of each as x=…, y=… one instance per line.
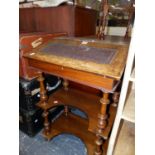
x=95, y=63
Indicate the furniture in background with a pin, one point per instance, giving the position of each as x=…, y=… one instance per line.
x=107, y=9
x=30, y=116
x=28, y=42
x=74, y=20
x=79, y=60
x=122, y=139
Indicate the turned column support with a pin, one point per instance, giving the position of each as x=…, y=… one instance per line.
x=43, y=100
x=115, y=98
x=98, y=142
x=43, y=95
x=65, y=86
x=103, y=19
x=131, y=14
x=46, y=122
x=102, y=116
x=102, y=123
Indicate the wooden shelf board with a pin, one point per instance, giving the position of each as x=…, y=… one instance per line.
x=77, y=126
x=132, y=77
x=129, y=108
x=125, y=144
x=86, y=102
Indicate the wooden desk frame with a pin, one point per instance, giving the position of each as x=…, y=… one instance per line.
x=106, y=84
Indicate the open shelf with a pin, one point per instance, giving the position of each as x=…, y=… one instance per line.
x=132, y=77
x=129, y=108
x=125, y=144
x=73, y=124
x=86, y=102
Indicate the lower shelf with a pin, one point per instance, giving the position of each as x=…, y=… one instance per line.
x=125, y=143
x=76, y=125
x=86, y=102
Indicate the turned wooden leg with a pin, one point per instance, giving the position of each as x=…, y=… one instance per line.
x=98, y=142
x=131, y=14
x=43, y=100
x=102, y=123
x=103, y=19
x=43, y=95
x=66, y=110
x=46, y=122
x=65, y=86
x=115, y=99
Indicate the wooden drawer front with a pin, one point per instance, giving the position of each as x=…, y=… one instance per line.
x=86, y=78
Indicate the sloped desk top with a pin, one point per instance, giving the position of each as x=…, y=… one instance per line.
x=83, y=57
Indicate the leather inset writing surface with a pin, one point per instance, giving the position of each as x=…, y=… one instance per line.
x=82, y=52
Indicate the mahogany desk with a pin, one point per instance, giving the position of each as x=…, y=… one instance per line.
x=98, y=64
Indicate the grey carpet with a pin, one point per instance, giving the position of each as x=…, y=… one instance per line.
x=63, y=144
